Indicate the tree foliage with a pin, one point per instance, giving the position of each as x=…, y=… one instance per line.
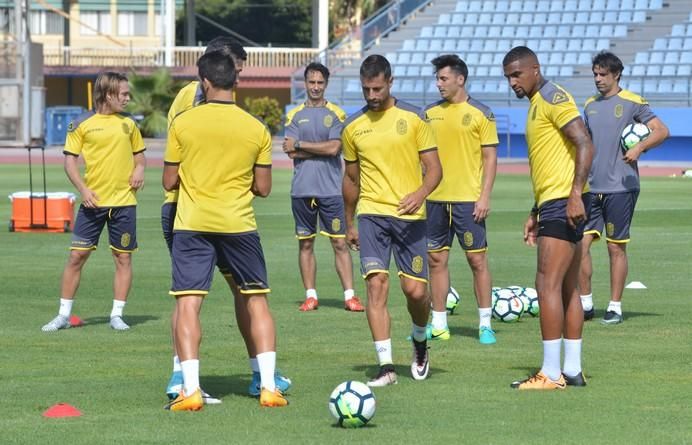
x=267, y=109
x=150, y=97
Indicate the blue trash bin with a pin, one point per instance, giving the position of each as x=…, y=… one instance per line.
x=57, y=120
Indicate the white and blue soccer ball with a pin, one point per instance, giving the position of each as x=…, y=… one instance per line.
x=632, y=134
x=453, y=300
x=507, y=307
x=352, y=404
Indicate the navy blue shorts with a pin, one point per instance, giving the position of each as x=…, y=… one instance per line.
x=445, y=219
x=122, y=228
x=614, y=212
x=168, y=211
x=195, y=254
x=377, y=236
x=331, y=215
x=552, y=220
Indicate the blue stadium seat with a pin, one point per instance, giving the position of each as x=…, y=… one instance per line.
x=503, y=45
x=512, y=19
x=528, y=19
x=458, y=19
x=476, y=45
x=494, y=31
x=498, y=18
x=592, y=31
x=522, y=42
x=582, y=17
x=481, y=71
x=407, y=86
x=641, y=58
x=688, y=44
x=472, y=59
x=610, y=17
x=515, y=6
x=688, y=32
x=555, y=58
x=571, y=5
x=599, y=5
x=435, y=45
x=440, y=32
x=409, y=45
x=391, y=56
x=419, y=86
x=399, y=70
x=606, y=30
x=626, y=70
x=641, y=5
x=497, y=59
x=684, y=70
x=584, y=58
x=488, y=6
x=485, y=19
x=432, y=87
x=681, y=86
x=554, y=18
x=544, y=45
x=444, y=19
x=671, y=57
x=502, y=5
x=566, y=71
x=578, y=31
x=596, y=17
x=495, y=71
x=639, y=17
x=620, y=31
x=543, y=5
x=352, y=86
x=635, y=85
x=421, y=45
x=653, y=70
x=656, y=57
x=453, y=31
x=462, y=5
x=471, y=19
x=560, y=45
x=625, y=16
x=480, y=31
x=508, y=31
x=627, y=5
x=668, y=70
x=588, y=45
x=536, y=32
x=412, y=71
x=450, y=45
x=489, y=45
x=467, y=31
x=603, y=44
x=404, y=58
x=675, y=43
x=638, y=70
x=417, y=59
x=570, y=58
x=550, y=31
x=585, y=5
x=649, y=86
x=475, y=6
x=655, y=4
x=613, y=5
x=530, y=5
x=552, y=71
x=557, y=5
x=486, y=59
x=427, y=31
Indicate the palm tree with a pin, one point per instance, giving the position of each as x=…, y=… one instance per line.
x=151, y=97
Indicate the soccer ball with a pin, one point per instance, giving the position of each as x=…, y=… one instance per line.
x=453, y=299
x=519, y=292
x=532, y=297
x=352, y=404
x=633, y=134
x=507, y=307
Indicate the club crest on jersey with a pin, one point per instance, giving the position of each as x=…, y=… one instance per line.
x=336, y=225
x=490, y=116
x=610, y=229
x=559, y=97
x=125, y=128
x=466, y=120
x=618, y=110
x=328, y=121
x=468, y=239
x=125, y=239
x=70, y=126
x=417, y=264
x=401, y=126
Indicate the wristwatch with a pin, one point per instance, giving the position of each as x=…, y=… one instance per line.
x=296, y=145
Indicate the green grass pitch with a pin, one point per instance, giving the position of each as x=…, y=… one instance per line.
x=640, y=372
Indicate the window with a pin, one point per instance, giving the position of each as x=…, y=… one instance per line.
x=46, y=22
x=132, y=23
x=98, y=20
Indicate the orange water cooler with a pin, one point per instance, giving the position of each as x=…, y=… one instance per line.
x=42, y=212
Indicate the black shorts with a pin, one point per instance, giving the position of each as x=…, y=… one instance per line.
x=122, y=228
x=614, y=212
x=552, y=220
x=330, y=211
x=445, y=219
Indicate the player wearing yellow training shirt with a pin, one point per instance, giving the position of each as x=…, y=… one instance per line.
x=384, y=146
x=113, y=151
x=560, y=154
x=467, y=141
x=188, y=97
x=217, y=182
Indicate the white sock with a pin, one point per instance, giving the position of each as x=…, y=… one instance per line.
x=615, y=306
x=348, y=294
x=190, y=375
x=65, y=307
x=551, y=358
x=311, y=293
x=253, y=364
x=418, y=332
x=266, y=362
x=383, y=348
x=176, y=364
x=439, y=320
x=484, y=317
x=572, y=365
x=587, y=302
x=117, y=310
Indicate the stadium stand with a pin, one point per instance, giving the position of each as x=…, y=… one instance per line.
x=653, y=38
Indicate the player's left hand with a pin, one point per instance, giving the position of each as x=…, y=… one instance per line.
x=288, y=145
x=632, y=155
x=410, y=203
x=481, y=209
x=576, y=214
x=352, y=240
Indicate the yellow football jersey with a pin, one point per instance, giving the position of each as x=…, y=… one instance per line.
x=340, y=114
x=387, y=145
x=461, y=131
x=189, y=96
x=217, y=146
x=551, y=154
x=107, y=142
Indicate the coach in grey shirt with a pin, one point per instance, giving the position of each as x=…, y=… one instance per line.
x=614, y=177
x=313, y=141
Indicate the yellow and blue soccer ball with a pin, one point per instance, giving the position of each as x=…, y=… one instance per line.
x=352, y=404
x=632, y=134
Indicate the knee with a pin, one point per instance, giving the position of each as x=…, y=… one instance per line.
x=617, y=250
x=477, y=261
x=77, y=258
x=122, y=259
x=415, y=291
x=339, y=245
x=378, y=286
x=306, y=245
x=437, y=261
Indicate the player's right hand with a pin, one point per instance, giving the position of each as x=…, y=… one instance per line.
x=89, y=198
x=531, y=230
x=352, y=240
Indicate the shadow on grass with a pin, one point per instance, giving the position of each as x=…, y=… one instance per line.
x=222, y=385
x=598, y=316
x=402, y=371
x=132, y=320
x=465, y=331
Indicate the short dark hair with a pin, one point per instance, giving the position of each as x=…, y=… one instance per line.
x=318, y=67
x=218, y=69
x=452, y=61
x=227, y=45
x=609, y=61
x=374, y=65
x=518, y=53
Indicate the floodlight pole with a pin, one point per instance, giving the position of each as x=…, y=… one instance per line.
x=169, y=31
x=25, y=47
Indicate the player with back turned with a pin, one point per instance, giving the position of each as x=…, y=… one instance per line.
x=614, y=178
x=391, y=167
x=560, y=154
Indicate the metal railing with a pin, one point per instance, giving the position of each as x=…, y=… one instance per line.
x=182, y=56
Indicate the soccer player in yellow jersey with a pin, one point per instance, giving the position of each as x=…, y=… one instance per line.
x=467, y=141
x=391, y=167
x=215, y=219
x=560, y=155
x=313, y=141
x=113, y=152
x=190, y=96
